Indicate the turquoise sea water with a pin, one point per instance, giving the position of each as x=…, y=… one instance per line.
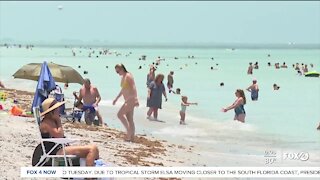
x=285, y=118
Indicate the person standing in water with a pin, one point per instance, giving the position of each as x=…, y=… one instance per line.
x=184, y=104
x=151, y=75
x=238, y=106
x=170, y=81
x=254, y=89
x=129, y=93
x=250, y=68
x=154, y=97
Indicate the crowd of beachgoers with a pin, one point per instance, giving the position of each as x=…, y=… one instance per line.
x=158, y=85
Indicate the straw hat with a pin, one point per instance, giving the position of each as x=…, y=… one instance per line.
x=49, y=105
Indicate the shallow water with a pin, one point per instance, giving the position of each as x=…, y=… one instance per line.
x=282, y=119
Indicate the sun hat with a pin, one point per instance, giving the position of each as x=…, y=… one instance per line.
x=49, y=105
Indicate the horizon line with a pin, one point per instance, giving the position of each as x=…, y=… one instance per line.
x=173, y=45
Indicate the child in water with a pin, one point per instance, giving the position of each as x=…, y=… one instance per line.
x=184, y=104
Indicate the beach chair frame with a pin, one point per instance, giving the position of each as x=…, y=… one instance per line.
x=75, y=113
x=45, y=157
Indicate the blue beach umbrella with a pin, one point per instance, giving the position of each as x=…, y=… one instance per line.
x=45, y=85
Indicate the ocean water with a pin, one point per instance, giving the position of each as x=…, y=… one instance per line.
x=282, y=119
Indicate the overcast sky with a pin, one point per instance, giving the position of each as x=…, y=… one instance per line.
x=161, y=22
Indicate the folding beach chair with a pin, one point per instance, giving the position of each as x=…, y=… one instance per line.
x=59, y=96
x=41, y=157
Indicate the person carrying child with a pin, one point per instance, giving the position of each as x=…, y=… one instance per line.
x=184, y=104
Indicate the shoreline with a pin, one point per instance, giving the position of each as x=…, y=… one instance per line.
x=157, y=144
x=19, y=137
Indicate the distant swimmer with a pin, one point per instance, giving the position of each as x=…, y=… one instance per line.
x=297, y=66
x=269, y=64
x=318, y=128
x=151, y=75
x=184, y=104
x=305, y=69
x=299, y=72
x=221, y=84
x=238, y=106
x=170, y=81
x=254, y=89
x=276, y=87
x=66, y=85
x=256, y=66
x=250, y=68
x=178, y=91
x=284, y=65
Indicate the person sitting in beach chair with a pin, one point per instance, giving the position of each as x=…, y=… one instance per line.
x=51, y=129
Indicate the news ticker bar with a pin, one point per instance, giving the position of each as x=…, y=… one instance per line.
x=99, y=172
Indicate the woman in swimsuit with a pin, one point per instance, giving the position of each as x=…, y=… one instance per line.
x=50, y=127
x=154, y=99
x=238, y=106
x=129, y=93
x=254, y=89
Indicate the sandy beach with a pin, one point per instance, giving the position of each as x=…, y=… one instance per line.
x=19, y=137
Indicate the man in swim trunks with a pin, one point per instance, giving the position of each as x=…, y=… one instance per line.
x=91, y=98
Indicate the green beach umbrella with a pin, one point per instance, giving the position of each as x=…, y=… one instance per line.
x=60, y=73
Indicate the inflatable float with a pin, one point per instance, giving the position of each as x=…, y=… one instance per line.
x=312, y=74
